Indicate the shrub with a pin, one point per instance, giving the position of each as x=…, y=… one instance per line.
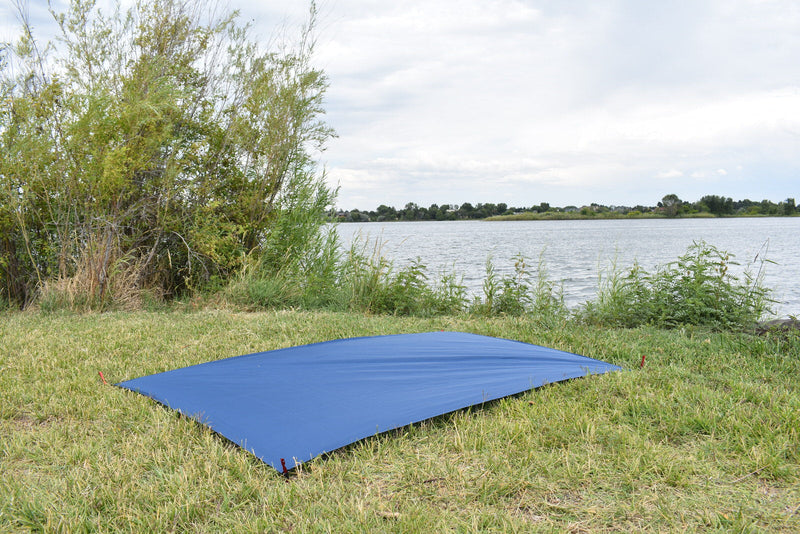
x=157, y=149
x=520, y=294
x=697, y=289
x=370, y=283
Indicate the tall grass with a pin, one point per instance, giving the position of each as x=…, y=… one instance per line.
x=697, y=289
x=362, y=279
x=521, y=293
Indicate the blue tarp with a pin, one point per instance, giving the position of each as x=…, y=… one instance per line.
x=300, y=402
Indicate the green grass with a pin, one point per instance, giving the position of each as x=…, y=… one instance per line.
x=705, y=437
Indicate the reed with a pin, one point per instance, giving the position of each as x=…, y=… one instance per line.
x=698, y=289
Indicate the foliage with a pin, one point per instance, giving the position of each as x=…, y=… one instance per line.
x=358, y=280
x=520, y=294
x=506, y=294
x=368, y=282
x=669, y=206
x=716, y=205
x=157, y=149
x=697, y=289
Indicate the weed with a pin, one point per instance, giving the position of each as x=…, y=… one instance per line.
x=698, y=289
x=371, y=284
x=520, y=293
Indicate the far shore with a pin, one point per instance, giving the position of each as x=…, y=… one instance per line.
x=576, y=216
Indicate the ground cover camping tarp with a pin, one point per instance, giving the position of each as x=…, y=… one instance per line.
x=300, y=402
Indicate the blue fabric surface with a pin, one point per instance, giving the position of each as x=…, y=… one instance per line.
x=300, y=402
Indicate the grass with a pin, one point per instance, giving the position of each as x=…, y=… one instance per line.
x=705, y=437
x=698, y=288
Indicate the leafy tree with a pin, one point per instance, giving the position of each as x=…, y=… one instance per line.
x=717, y=205
x=410, y=212
x=386, y=213
x=671, y=204
x=466, y=211
x=769, y=208
x=157, y=149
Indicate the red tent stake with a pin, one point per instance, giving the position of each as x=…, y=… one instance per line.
x=102, y=377
x=642, y=364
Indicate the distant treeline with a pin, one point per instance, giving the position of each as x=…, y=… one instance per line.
x=669, y=206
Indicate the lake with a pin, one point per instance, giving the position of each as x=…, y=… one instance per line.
x=575, y=252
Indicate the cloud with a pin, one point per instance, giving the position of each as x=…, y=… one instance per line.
x=510, y=100
x=594, y=96
x=672, y=173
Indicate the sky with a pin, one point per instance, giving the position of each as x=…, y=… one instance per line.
x=529, y=101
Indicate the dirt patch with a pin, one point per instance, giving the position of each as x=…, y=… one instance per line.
x=27, y=421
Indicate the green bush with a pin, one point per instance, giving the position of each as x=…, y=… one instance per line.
x=355, y=281
x=697, y=289
x=369, y=282
x=521, y=293
x=157, y=149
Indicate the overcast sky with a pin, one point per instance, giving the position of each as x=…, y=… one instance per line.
x=522, y=102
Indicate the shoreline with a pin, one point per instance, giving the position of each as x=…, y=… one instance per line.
x=559, y=216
